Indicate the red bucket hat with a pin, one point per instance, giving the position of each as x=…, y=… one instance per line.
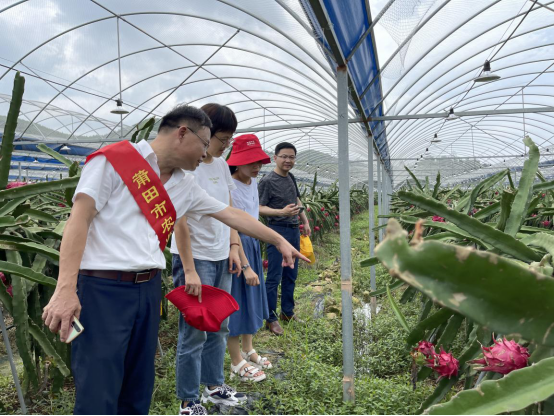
x=247, y=149
x=216, y=306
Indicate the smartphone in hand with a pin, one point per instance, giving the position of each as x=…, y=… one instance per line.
x=76, y=330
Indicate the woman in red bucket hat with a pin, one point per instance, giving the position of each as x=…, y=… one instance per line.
x=248, y=289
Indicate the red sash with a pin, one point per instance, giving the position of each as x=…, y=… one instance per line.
x=145, y=186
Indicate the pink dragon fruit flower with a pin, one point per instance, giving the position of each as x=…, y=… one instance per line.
x=546, y=223
x=4, y=280
x=503, y=357
x=15, y=185
x=436, y=218
x=444, y=364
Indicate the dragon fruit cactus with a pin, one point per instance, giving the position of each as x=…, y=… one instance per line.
x=503, y=357
x=444, y=364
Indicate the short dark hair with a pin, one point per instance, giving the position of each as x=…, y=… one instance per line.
x=195, y=118
x=284, y=145
x=222, y=117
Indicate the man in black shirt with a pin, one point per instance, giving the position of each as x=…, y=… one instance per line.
x=280, y=202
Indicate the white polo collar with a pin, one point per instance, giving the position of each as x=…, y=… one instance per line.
x=148, y=153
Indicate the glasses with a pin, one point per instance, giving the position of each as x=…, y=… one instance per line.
x=206, y=144
x=285, y=157
x=225, y=142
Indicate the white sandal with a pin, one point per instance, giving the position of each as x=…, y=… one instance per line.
x=247, y=373
x=262, y=363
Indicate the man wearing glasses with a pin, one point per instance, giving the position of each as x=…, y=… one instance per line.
x=280, y=202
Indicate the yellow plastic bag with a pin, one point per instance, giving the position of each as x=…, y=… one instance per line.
x=306, y=248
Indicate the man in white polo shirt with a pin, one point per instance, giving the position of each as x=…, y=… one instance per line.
x=111, y=256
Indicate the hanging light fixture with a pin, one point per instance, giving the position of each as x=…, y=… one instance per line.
x=487, y=75
x=65, y=147
x=436, y=139
x=35, y=161
x=451, y=116
x=119, y=108
x=307, y=165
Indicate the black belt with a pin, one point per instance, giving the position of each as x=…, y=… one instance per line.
x=286, y=225
x=136, y=277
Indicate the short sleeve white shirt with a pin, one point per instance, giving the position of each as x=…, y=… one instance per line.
x=120, y=237
x=209, y=237
x=245, y=197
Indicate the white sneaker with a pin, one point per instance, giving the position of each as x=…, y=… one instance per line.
x=192, y=408
x=220, y=395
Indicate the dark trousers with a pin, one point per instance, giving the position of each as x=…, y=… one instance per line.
x=277, y=274
x=113, y=360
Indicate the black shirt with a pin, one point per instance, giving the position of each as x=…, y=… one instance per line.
x=277, y=192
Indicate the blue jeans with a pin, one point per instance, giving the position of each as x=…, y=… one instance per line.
x=200, y=354
x=277, y=274
x=113, y=360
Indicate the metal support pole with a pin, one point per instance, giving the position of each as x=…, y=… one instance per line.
x=160, y=348
x=379, y=200
x=19, y=177
x=12, y=364
x=373, y=284
x=345, y=249
x=388, y=193
x=385, y=196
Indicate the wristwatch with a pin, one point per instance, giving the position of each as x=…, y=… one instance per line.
x=246, y=266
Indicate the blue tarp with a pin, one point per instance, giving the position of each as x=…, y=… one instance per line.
x=350, y=22
x=74, y=150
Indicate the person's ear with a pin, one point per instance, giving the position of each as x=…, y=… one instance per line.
x=181, y=132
